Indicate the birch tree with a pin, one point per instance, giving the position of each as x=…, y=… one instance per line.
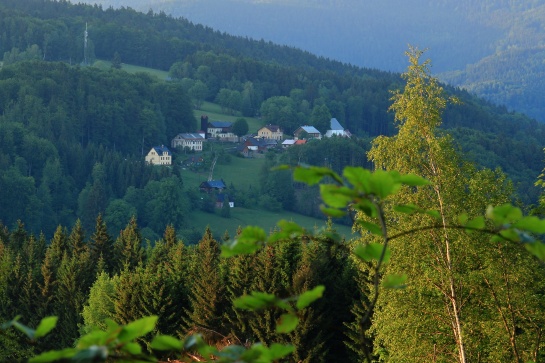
x=434, y=319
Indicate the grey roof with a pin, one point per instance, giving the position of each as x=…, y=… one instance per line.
x=162, y=150
x=218, y=124
x=219, y=184
x=189, y=136
x=310, y=129
x=335, y=125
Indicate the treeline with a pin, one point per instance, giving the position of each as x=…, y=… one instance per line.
x=84, y=280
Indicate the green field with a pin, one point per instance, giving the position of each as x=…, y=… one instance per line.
x=213, y=111
x=240, y=171
x=264, y=219
x=129, y=68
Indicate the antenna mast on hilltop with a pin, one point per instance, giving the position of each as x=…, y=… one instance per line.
x=85, y=60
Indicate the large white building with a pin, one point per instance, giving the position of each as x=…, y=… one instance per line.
x=191, y=141
x=336, y=129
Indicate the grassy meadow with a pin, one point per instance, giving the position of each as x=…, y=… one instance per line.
x=253, y=217
x=214, y=113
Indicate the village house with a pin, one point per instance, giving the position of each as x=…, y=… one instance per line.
x=273, y=132
x=337, y=130
x=287, y=143
x=159, y=155
x=220, y=130
x=191, y=141
x=212, y=185
x=253, y=147
x=311, y=132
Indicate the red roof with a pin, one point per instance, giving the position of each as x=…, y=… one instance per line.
x=300, y=142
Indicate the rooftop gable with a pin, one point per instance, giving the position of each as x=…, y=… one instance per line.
x=161, y=150
x=310, y=129
x=189, y=136
x=335, y=125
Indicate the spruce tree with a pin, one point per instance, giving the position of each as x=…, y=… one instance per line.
x=207, y=295
x=101, y=245
x=76, y=239
x=100, y=304
x=240, y=276
x=310, y=336
x=128, y=250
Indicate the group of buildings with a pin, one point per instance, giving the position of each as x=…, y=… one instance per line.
x=267, y=137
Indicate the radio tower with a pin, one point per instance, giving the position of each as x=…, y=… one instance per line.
x=85, y=60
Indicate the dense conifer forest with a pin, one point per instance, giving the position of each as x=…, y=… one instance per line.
x=83, y=215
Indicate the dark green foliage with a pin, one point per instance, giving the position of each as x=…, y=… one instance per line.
x=226, y=208
x=116, y=61
x=128, y=250
x=101, y=246
x=240, y=127
x=207, y=295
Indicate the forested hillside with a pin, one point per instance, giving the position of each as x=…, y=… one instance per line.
x=103, y=121
x=471, y=42
x=445, y=268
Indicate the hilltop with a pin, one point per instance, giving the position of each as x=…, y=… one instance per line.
x=491, y=48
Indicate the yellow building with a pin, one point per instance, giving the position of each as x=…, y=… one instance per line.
x=159, y=155
x=273, y=132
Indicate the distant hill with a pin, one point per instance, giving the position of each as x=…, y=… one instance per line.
x=493, y=48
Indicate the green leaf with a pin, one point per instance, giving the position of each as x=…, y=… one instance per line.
x=371, y=227
x=288, y=230
x=166, y=342
x=503, y=214
x=249, y=241
x=372, y=251
x=334, y=196
x=332, y=212
x=255, y=301
x=382, y=184
x=45, y=326
x=24, y=329
x=96, y=337
x=366, y=207
x=279, y=351
x=137, y=328
x=313, y=175
x=308, y=297
x=358, y=177
x=510, y=235
x=433, y=213
x=463, y=218
x=406, y=208
x=537, y=249
x=54, y=355
x=287, y=323
x=394, y=281
x=531, y=224
x=132, y=348
x=413, y=180
x=475, y=223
